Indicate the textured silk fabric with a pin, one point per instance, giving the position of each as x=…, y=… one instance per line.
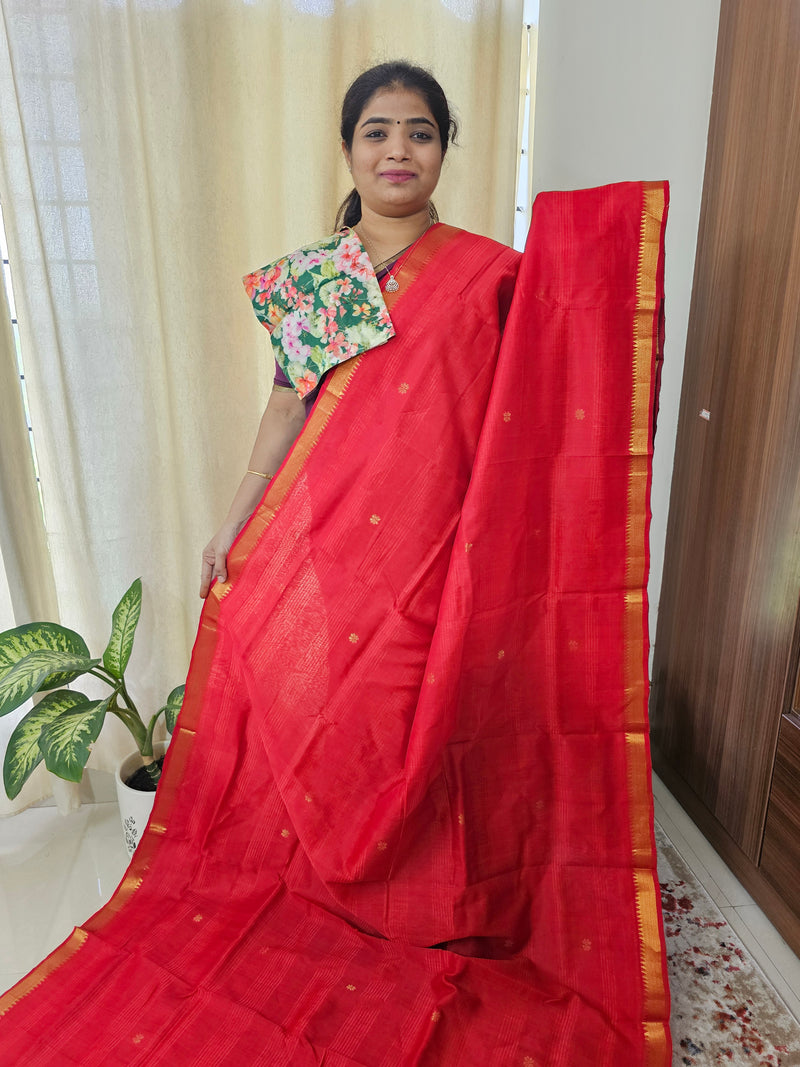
x=416, y=714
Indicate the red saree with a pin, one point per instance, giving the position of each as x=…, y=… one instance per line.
x=406, y=818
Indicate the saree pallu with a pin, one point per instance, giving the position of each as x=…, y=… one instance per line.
x=406, y=816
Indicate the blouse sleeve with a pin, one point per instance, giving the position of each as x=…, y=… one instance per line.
x=281, y=380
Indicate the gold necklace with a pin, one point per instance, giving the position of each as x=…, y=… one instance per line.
x=392, y=284
x=391, y=259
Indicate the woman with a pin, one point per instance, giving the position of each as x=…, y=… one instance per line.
x=395, y=127
x=405, y=818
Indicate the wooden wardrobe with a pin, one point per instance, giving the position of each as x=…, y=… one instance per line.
x=725, y=705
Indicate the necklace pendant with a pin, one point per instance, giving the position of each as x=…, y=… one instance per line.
x=392, y=285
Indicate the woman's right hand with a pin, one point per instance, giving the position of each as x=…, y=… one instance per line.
x=281, y=422
x=215, y=556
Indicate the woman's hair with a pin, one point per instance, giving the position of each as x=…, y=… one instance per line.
x=395, y=75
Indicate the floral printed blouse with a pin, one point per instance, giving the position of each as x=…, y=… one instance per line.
x=321, y=305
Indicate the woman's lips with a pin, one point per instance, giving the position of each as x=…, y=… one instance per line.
x=397, y=176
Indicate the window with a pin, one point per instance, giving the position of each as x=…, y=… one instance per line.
x=530, y=42
x=9, y=289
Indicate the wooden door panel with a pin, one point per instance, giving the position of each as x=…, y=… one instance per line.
x=732, y=567
x=780, y=861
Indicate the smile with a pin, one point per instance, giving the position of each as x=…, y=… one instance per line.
x=397, y=176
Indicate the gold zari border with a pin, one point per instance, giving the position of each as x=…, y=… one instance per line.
x=645, y=326
x=56, y=959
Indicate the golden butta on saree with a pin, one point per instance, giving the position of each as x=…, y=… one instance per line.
x=322, y=305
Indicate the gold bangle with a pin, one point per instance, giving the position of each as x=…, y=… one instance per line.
x=259, y=474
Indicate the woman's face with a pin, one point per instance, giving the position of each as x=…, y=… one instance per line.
x=397, y=153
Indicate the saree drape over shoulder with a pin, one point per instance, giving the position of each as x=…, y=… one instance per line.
x=406, y=817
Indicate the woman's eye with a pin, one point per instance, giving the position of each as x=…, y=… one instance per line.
x=375, y=135
x=422, y=135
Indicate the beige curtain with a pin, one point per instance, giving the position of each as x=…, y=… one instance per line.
x=27, y=590
x=151, y=153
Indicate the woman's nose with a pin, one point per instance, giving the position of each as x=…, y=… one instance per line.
x=396, y=147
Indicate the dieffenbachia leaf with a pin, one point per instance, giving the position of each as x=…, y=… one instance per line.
x=18, y=643
x=66, y=741
x=31, y=673
x=123, y=628
x=23, y=754
x=173, y=706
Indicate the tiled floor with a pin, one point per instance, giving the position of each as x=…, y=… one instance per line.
x=55, y=871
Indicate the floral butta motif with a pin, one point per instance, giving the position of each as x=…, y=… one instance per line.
x=321, y=305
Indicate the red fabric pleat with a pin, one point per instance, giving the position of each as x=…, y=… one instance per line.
x=406, y=817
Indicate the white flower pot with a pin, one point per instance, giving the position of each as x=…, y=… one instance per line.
x=135, y=806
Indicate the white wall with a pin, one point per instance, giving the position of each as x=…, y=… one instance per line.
x=623, y=93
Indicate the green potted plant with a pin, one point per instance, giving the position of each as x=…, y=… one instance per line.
x=43, y=657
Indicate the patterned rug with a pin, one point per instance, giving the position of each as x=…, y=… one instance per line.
x=724, y=1010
